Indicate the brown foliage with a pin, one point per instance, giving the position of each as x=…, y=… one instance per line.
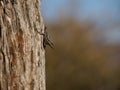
x=78, y=63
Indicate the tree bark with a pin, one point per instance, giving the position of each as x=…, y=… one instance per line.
x=22, y=55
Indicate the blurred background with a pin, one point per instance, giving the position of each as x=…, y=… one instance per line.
x=86, y=34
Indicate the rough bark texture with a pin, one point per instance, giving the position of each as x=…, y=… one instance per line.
x=22, y=56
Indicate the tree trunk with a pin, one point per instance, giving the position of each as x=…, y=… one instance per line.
x=22, y=55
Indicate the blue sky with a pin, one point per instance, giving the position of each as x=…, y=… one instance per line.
x=50, y=8
x=85, y=8
x=104, y=12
